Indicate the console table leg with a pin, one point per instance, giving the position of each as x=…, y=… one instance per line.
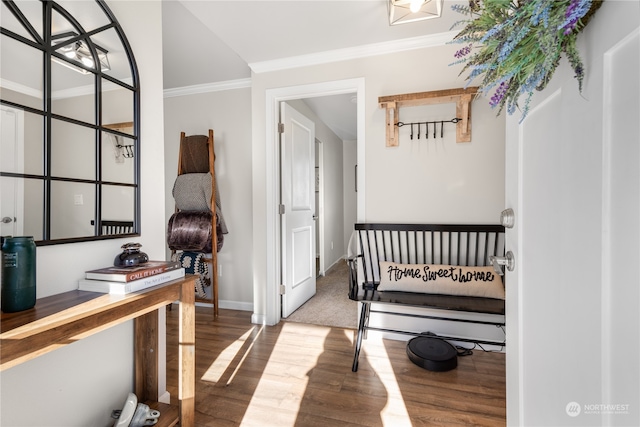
x=187, y=355
x=146, y=356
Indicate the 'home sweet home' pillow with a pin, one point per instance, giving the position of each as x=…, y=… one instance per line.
x=479, y=281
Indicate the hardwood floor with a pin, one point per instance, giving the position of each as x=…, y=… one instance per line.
x=295, y=374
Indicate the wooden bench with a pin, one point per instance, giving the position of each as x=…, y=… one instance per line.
x=448, y=244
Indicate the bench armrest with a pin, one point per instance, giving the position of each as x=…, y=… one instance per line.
x=352, y=263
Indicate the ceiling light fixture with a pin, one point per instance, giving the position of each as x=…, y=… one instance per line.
x=79, y=51
x=404, y=11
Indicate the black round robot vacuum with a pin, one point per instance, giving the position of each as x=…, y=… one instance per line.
x=433, y=354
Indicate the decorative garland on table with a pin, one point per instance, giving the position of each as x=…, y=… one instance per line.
x=515, y=45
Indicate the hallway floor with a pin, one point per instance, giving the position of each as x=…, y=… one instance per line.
x=294, y=374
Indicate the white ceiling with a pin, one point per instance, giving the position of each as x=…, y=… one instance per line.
x=211, y=41
x=208, y=41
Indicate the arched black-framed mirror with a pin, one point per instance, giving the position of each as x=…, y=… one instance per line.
x=70, y=100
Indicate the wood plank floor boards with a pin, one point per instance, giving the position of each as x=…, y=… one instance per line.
x=295, y=374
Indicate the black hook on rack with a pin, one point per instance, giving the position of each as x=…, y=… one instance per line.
x=426, y=124
x=127, y=150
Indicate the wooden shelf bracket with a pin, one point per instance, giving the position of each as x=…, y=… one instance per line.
x=461, y=97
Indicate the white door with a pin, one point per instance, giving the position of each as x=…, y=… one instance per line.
x=573, y=180
x=297, y=194
x=11, y=160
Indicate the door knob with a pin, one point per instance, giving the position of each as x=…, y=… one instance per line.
x=6, y=220
x=498, y=261
x=507, y=218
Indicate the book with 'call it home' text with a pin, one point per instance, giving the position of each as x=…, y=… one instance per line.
x=129, y=274
x=122, y=288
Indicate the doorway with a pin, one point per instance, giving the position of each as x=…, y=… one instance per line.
x=273, y=99
x=332, y=119
x=12, y=159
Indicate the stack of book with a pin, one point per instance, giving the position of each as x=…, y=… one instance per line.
x=124, y=280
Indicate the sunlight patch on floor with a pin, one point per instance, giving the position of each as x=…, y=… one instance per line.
x=228, y=355
x=395, y=412
x=278, y=395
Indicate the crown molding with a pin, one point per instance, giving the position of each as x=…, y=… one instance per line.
x=374, y=49
x=208, y=87
x=17, y=87
x=60, y=94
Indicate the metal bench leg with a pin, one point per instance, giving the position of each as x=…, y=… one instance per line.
x=364, y=321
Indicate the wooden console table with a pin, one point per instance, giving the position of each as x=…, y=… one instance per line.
x=62, y=319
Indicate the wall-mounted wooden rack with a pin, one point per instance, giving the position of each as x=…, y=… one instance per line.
x=462, y=98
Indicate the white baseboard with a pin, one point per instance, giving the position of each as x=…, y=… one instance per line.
x=236, y=305
x=258, y=319
x=165, y=398
x=230, y=305
x=341, y=259
x=404, y=337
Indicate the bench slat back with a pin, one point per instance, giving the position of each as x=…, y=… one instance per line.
x=447, y=244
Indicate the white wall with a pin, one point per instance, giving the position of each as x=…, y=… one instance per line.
x=437, y=180
x=333, y=211
x=80, y=384
x=228, y=113
x=443, y=182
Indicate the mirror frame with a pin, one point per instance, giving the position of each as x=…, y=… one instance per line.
x=44, y=44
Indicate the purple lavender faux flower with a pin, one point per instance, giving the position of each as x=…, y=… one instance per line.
x=463, y=52
x=576, y=10
x=499, y=94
